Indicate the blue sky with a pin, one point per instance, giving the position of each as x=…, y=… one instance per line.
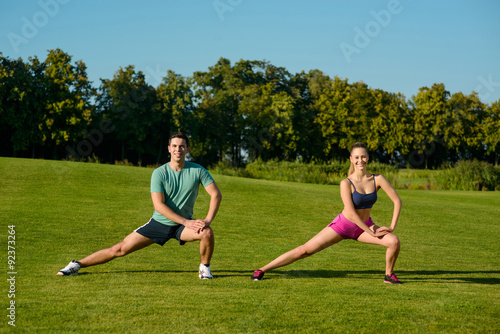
x=394, y=45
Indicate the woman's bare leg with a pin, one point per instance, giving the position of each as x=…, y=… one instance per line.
x=320, y=241
x=391, y=242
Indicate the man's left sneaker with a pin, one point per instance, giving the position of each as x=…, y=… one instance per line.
x=71, y=269
x=205, y=272
x=392, y=279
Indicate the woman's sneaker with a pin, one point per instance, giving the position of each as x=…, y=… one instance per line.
x=71, y=269
x=392, y=279
x=258, y=275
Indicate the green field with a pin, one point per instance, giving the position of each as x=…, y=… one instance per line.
x=65, y=210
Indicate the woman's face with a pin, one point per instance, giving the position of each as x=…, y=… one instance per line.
x=359, y=158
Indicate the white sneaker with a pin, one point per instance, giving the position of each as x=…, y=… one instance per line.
x=205, y=272
x=71, y=269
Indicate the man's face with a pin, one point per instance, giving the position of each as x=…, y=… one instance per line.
x=178, y=149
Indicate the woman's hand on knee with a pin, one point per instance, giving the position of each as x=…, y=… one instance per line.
x=385, y=229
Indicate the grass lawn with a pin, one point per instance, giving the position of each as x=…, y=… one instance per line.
x=65, y=210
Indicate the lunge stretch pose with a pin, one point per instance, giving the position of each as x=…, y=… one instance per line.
x=174, y=188
x=359, y=194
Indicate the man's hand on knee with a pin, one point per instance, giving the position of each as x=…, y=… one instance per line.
x=196, y=225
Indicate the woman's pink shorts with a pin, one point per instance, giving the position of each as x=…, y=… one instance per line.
x=346, y=228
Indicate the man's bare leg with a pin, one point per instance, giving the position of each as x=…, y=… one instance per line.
x=206, y=238
x=134, y=241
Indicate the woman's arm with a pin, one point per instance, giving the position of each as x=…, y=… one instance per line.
x=350, y=212
x=393, y=195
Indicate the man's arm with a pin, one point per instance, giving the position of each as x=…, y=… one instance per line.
x=162, y=208
x=215, y=199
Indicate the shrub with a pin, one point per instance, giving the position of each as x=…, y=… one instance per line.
x=320, y=173
x=330, y=173
x=469, y=175
x=225, y=168
x=466, y=175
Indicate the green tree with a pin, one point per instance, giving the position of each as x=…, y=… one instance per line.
x=129, y=104
x=285, y=113
x=389, y=126
x=333, y=107
x=175, y=108
x=68, y=105
x=463, y=132
x=491, y=131
x=215, y=108
x=255, y=105
x=269, y=112
x=428, y=116
x=221, y=121
x=283, y=136
x=362, y=114
x=22, y=97
x=307, y=88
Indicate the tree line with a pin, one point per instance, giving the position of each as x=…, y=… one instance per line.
x=235, y=113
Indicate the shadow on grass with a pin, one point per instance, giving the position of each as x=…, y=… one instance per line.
x=224, y=273
x=217, y=274
x=407, y=276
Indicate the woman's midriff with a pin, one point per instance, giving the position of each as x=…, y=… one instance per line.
x=364, y=214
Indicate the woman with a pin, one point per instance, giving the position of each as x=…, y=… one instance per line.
x=359, y=193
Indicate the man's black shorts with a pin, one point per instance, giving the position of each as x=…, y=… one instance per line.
x=161, y=233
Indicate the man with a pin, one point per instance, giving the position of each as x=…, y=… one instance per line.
x=174, y=188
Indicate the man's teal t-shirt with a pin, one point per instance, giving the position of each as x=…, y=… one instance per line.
x=180, y=188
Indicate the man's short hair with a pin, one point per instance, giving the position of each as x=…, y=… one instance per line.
x=181, y=135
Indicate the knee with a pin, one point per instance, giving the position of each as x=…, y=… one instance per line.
x=394, y=242
x=207, y=233
x=118, y=250
x=301, y=252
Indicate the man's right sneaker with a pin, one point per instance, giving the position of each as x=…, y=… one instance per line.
x=204, y=272
x=258, y=275
x=392, y=279
x=71, y=269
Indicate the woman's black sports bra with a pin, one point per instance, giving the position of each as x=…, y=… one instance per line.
x=364, y=201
